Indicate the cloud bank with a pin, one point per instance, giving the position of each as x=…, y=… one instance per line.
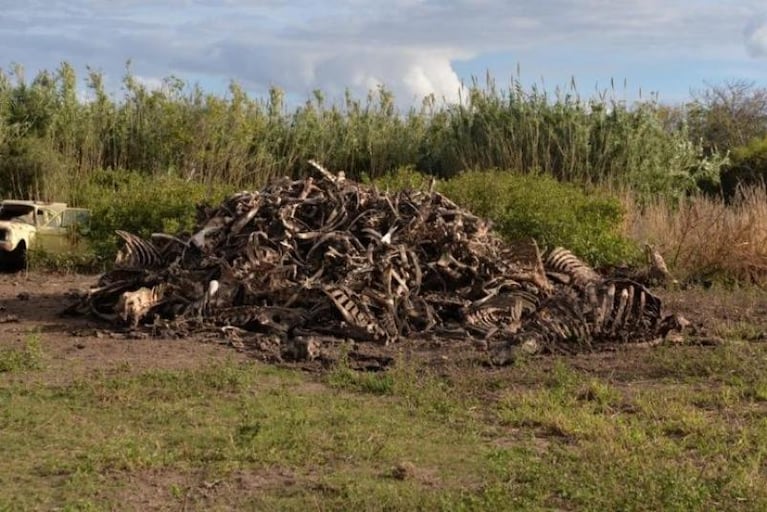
x=756, y=39
x=414, y=47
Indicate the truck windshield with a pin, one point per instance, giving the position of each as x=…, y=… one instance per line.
x=17, y=212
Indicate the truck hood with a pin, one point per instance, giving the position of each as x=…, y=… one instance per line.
x=18, y=228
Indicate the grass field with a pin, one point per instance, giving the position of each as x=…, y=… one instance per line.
x=664, y=428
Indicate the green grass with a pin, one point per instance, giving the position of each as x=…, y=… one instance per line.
x=668, y=429
x=28, y=357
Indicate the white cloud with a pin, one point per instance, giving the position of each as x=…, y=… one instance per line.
x=756, y=40
x=412, y=46
x=409, y=75
x=435, y=76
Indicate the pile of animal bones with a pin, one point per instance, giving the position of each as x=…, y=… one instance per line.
x=326, y=256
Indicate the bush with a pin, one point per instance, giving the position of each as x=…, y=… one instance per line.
x=142, y=205
x=67, y=262
x=537, y=206
x=748, y=167
x=520, y=206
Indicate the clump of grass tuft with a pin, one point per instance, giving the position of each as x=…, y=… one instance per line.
x=29, y=357
x=343, y=377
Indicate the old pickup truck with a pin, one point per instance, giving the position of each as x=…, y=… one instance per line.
x=52, y=227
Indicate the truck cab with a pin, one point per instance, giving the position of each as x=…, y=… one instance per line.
x=52, y=227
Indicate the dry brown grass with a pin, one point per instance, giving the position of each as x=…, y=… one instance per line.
x=703, y=237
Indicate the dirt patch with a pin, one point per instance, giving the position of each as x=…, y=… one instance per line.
x=74, y=347
x=720, y=310
x=197, y=490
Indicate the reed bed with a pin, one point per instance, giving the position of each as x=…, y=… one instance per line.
x=51, y=141
x=704, y=237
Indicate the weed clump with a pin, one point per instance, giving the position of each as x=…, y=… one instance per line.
x=28, y=357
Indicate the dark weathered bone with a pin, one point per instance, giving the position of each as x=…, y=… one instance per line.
x=562, y=261
x=137, y=253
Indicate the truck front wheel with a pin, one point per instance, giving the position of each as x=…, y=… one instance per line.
x=17, y=258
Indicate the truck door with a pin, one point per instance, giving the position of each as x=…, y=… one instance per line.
x=77, y=222
x=64, y=231
x=51, y=235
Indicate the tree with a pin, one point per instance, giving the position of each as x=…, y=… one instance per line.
x=726, y=116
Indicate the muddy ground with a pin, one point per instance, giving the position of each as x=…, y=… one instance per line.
x=30, y=304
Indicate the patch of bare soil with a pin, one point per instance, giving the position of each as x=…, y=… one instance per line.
x=198, y=490
x=74, y=347
x=722, y=309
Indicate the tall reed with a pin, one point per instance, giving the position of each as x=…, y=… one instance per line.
x=50, y=141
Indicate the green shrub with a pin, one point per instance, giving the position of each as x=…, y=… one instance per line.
x=520, y=206
x=748, y=167
x=537, y=206
x=142, y=205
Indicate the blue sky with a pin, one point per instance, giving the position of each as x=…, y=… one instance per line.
x=414, y=47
